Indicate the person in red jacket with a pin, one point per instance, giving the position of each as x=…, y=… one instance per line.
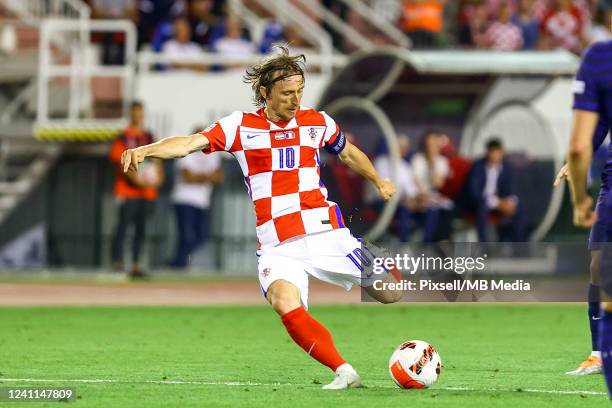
x=134, y=191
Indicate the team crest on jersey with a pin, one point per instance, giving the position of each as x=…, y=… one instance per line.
x=312, y=132
x=284, y=135
x=265, y=272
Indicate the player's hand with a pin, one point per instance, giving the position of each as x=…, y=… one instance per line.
x=386, y=189
x=584, y=216
x=130, y=159
x=561, y=175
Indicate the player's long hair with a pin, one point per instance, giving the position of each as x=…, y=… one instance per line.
x=265, y=73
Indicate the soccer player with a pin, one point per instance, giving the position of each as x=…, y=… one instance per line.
x=591, y=124
x=300, y=232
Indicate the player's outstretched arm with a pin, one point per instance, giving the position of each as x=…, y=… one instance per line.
x=168, y=148
x=359, y=162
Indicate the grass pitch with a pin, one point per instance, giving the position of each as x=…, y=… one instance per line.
x=493, y=356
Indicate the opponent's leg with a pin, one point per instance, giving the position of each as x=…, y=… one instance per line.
x=605, y=327
x=387, y=295
x=309, y=334
x=592, y=365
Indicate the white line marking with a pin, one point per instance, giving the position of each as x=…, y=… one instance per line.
x=255, y=384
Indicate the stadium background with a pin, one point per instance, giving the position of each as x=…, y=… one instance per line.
x=69, y=70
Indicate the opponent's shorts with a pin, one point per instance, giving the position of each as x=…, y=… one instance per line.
x=601, y=231
x=325, y=255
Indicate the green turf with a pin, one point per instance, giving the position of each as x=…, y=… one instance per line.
x=500, y=351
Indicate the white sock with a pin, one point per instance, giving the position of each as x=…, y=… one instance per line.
x=596, y=354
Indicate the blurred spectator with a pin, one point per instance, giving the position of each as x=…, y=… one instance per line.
x=489, y=191
x=413, y=206
x=503, y=34
x=423, y=21
x=459, y=168
x=202, y=21
x=599, y=30
x=388, y=10
x=113, y=44
x=195, y=177
x=232, y=44
x=562, y=27
x=156, y=12
x=135, y=192
x=474, y=24
x=529, y=24
x=431, y=169
x=297, y=43
x=274, y=33
x=182, y=46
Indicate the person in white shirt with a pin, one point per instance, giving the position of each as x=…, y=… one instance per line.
x=195, y=177
x=182, y=46
x=414, y=205
x=430, y=169
x=232, y=44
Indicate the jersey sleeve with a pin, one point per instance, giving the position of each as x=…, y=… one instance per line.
x=333, y=139
x=222, y=133
x=585, y=86
x=601, y=131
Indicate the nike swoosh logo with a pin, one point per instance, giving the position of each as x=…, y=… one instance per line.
x=595, y=318
x=251, y=136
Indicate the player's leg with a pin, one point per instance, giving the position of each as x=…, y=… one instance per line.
x=338, y=258
x=605, y=275
x=139, y=216
x=200, y=228
x=592, y=365
x=606, y=340
x=389, y=293
x=119, y=236
x=482, y=220
x=182, y=231
x=309, y=334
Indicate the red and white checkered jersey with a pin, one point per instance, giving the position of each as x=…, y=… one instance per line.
x=280, y=163
x=504, y=36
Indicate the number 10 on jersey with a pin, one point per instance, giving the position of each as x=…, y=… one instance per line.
x=286, y=158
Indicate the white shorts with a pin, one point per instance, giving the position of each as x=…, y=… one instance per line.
x=322, y=255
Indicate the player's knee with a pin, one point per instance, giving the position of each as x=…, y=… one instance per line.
x=284, y=297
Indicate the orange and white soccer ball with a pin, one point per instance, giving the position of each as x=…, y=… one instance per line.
x=415, y=364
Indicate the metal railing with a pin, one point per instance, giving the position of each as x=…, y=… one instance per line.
x=79, y=70
x=32, y=11
x=336, y=23
x=287, y=13
x=148, y=59
x=378, y=22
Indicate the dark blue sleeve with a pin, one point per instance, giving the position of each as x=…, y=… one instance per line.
x=601, y=131
x=585, y=86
